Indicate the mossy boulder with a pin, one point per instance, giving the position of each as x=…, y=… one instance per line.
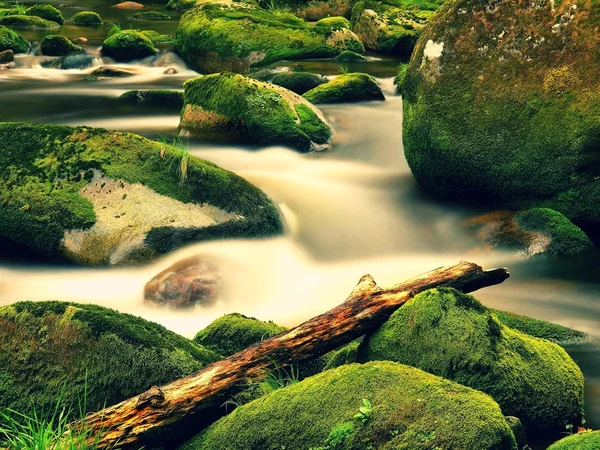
x=51, y=350
x=229, y=107
x=391, y=26
x=580, y=441
x=86, y=19
x=157, y=38
x=181, y=5
x=234, y=332
x=330, y=24
x=298, y=82
x=409, y=409
x=351, y=87
x=128, y=45
x=232, y=36
x=23, y=22
x=348, y=56
x=493, y=115
x=150, y=15
x=454, y=336
x=101, y=197
x=155, y=97
x=9, y=40
x=345, y=355
x=46, y=11
x=53, y=45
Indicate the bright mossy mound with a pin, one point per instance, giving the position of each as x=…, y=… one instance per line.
x=51, y=350
x=348, y=56
x=410, y=409
x=150, y=15
x=128, y=45
x=228, y=107
x=155, y=97
x=492, y=115
x=231, y=36
x=391, y=26
x=298, y=82
x=579, y=441
x=351, y=87
x=86, y=19
x=9, y=40
x=330, y=24
x=539, y=328
x=22, y=22
x=53, y=45
x=46, y=11
x=454, y=336
x=157, y=38
x=46, y=194
x=234, y=332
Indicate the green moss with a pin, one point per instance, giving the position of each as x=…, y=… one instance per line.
x=345, y=355
x=452, y=335
x=565, y=238
x=22, y=22
x=86, y=19
x=150, y=15
x=45, y=166
x=410, y=410
x=128, y=45
x=400, y=77
x=298, y=82
x=53, y=45
x=234, y=332
x=521, y=133
x=579, y=441
x=330, y=24
x=52, y=349
x=9, y=40
x=352, y=87
x=46, y=11
x=181, y=5
x=218, y=36
x=539, y=328
x=157, y=38
x=348, y=56
x=251, y=111
x=155, y=97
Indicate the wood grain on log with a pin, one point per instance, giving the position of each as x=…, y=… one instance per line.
x=149, y=417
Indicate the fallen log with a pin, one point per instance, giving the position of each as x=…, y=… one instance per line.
x=146, y=419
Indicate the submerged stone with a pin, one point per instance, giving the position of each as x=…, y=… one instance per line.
x=53, y=45
x=298, y=82
x=351, y=87
x=155, y=97
x=86, y=19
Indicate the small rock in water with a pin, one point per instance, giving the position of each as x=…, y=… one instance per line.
x=192, y=281
x=111, y=71
x=79, y=39
x=76, y=61
x=129, y=5
x=170, y=71
x=7, y=56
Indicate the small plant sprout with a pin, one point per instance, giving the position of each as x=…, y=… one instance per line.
x=365, y=412
x=343, y=69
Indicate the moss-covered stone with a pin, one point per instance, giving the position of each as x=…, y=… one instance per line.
x=157, y=38
x=454, y=336
x=150, y=15
x=52, y=350
x=9, y=40
x=493, y=115
x=56, y=181
x=235, y=36
x=298, y=82
x=155, y=97
x=579, y=441
x=348, y=56
x=53, y=45
x=128, y=45
x=345, y=355
x=228, y=107
x=46, y=11
x=86, y=19
x=234, y=332
x=391, y=26
x=330, y=24
x=351, y=87
x=23, y=22
x=181, y=5
x=410, y=409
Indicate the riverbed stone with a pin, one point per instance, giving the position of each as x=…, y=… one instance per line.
x=111, y=71
x=150, y=15
x=7, y=56
x=72, y=61
x=501, y=105
x=86, y=19
x=128, y=45
x=451, y=334
x=155, y=97
x=232, y=108
x=117, y=198
x=129, y=5
x=348, y=56
x=23, y=22
x=10, y=40
x=298, y=82
x=223, y=35
x=404, y=407
x=351, y=87
x=46, y=11
x=57, y=350
x=53, y=45
x=587, y=440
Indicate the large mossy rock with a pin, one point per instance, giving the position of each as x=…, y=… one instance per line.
x=579, y=441
x=234, y=332
x=86, y=19
x=9, y=40
x=501, y=104
x=351, y=87
x=298, y=82
x=391, y=26
x=52, y=350
x=128, y=45
x=53, y=45
x=231, y=36
x=101, y=197
x=46, y=11
x=454, y=336
x=232, y=108
x=410, y=409
x=23, y=22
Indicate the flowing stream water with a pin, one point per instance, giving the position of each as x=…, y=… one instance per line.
x=350, y=211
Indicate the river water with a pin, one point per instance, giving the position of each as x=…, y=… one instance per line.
x=350, y=211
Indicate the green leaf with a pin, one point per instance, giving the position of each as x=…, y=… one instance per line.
x=365, y=411
x=366, y=402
